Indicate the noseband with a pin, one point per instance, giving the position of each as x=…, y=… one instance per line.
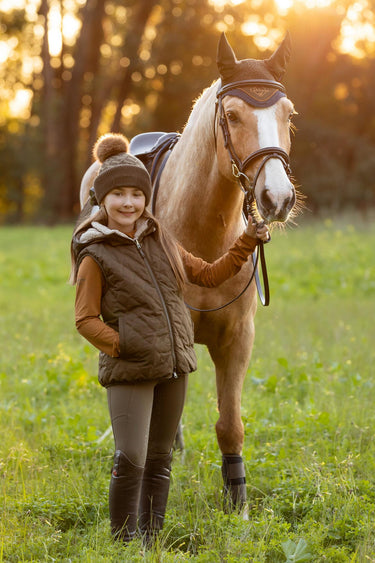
x=239, y=166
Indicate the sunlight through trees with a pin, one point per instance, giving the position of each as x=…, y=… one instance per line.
x=71, y=70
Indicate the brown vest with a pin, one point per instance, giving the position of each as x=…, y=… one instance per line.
x=141, y=300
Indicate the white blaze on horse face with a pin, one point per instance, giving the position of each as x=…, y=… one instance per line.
x=273, y=131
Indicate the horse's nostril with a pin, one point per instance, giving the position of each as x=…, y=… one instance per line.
x=268, y=199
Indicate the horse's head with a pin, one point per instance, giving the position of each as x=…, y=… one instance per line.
x=254, y=138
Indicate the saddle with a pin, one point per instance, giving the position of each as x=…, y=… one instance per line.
x=152, y=149
x=147, y=146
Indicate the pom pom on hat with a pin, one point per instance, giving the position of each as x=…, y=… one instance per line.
x=109, y=145
x=118, y=167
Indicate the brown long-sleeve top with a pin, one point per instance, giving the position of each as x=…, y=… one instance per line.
x=90, y=284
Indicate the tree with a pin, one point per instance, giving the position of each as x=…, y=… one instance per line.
x=86, y=68
x=82, y=90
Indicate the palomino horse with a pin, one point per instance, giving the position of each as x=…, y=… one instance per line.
x=236, y=140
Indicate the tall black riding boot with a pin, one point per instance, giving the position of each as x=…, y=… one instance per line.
x=154, y=495
x=233, y=472
x=124, y=493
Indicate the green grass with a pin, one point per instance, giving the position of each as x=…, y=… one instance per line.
x=308, y=411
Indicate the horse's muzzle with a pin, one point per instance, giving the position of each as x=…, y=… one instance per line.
x=275, y=206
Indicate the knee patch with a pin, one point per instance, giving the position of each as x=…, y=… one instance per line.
x=122, y=465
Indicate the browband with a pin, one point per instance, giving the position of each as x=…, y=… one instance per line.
x=253, y=82
x=260, y=93
x=258, y=100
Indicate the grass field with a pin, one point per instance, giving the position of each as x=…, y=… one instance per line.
x=308, y=410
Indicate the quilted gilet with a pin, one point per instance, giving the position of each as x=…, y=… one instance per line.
x=142, y=301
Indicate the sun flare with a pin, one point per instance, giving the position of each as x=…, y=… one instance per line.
x=267, y=29
x=357, y=33
x=285, y=5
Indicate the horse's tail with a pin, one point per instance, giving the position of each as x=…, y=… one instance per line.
x=88, y=182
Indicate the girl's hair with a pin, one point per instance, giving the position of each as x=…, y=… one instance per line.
x=170, y=247
x=168, y=242
x=83, y=223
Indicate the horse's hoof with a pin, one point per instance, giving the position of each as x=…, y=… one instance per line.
x=245, y=512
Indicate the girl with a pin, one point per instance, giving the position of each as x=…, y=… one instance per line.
x=129, y=304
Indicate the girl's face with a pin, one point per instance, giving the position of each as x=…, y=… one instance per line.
x=124, y=206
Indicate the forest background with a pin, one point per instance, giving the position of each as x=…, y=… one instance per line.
x=71, y=70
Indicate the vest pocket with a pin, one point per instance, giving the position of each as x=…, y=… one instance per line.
x=140, y=341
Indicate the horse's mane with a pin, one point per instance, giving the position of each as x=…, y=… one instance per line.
x=202, y=116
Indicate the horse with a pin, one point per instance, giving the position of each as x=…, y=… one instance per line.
x=231, y=159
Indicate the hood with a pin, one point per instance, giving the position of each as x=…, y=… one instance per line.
x=98, y=232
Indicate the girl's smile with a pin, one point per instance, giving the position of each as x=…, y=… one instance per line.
x=124, y=206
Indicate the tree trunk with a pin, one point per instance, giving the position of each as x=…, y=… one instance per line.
x=131, y=46
x=62, y=101
x=86, y=57
x=50, y=131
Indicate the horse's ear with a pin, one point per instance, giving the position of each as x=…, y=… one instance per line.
x=225, y=58
x=277, y=63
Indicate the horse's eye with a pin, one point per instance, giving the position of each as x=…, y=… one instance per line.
x=231, y=116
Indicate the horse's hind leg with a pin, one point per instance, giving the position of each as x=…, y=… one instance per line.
x=179, y=442
x=231, y=362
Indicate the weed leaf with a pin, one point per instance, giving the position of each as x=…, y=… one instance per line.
x=296, y=553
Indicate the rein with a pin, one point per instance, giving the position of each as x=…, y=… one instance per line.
x=255, y=265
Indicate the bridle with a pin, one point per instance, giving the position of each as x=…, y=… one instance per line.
x=239, y=166
x=238, y=171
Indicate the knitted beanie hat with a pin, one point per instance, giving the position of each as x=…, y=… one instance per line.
x=118, y=167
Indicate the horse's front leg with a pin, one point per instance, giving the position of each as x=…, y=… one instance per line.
x=231, y=357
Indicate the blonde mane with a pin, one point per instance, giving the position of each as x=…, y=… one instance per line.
x=202, y=116
x=198, y=141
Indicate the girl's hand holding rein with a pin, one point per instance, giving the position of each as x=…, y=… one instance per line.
x=258, y=230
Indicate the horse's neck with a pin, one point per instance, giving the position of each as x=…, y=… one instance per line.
x=199, y=205
x=194, y=155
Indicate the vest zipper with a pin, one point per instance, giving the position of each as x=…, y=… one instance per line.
x=162, y=300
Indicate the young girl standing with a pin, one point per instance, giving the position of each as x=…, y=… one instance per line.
x=129, y=275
